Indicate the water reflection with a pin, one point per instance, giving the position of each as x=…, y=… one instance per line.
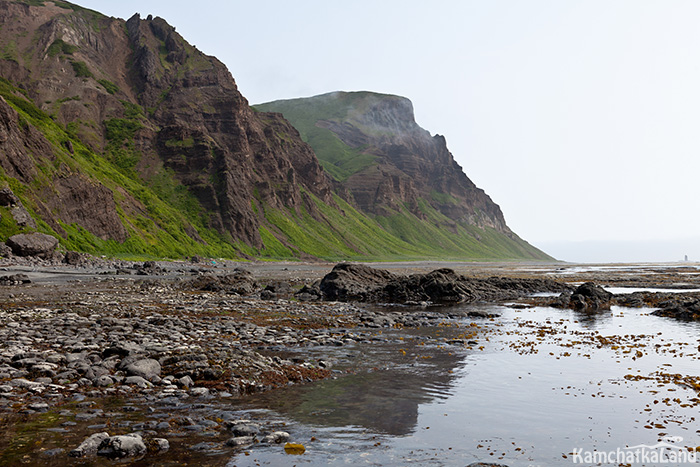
x=540, y=383
x=384, y=400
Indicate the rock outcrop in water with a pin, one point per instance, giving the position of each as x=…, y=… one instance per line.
x=354, y=282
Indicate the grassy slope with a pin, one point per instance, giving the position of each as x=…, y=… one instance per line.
x=339, y=159
x=158, y=234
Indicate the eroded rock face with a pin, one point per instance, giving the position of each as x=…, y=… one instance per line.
x=194, y=122
x=34, y=244
x=220, y=149
x=410, y=164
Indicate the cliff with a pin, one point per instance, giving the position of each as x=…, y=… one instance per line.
x=376, y=150
x=120, y=137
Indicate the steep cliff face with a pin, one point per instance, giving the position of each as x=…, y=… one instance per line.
x=227, y=154
x=407, y=167
x=138, y=93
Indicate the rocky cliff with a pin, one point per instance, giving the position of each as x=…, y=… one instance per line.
x=120, y=137
x=137, y=91
x=403, y=164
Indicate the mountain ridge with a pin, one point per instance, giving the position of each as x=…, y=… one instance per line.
x=122, y=138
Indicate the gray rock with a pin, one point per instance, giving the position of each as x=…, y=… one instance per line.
x=117, y=447
x=146, y=368
x=185, y=381
x=103, y=381
x=245, y=429
x=8, y=198
x=39, y=407
x=138, y=381
x=34, y=244
x=239, y=441
x=22, y=217
x=89, y=446
x=277, y=437
x=160, y=444
x=199, y=392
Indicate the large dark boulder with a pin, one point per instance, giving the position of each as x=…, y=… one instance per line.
x=34, y=244
x=439, y=286
x=590, y=297
x=240, y=282
x=354, y=282
x=357, y=282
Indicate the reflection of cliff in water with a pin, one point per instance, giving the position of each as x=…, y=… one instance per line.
x=385, y=400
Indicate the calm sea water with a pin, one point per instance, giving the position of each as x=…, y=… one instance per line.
x=540, y=387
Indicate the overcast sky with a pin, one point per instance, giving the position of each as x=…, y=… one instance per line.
x=580, y=118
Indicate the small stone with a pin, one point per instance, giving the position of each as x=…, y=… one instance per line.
x=138, y=381
x=201, y=392
x=104, y=381
x=39, y=407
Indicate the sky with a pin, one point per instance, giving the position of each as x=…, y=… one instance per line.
x=580, y=118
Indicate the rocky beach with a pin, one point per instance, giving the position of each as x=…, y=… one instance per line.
x=105, y=360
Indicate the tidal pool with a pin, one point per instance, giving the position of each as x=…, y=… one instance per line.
x=533, y=387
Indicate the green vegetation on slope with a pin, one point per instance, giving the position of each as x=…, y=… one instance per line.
x=339, y=159
x=157, y=231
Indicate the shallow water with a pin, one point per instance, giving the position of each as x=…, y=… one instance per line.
x=540, y=385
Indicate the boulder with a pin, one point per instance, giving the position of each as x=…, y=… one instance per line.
x=8, y=198
x=348, y=281
x=240, y=282
x=118, y=447
x=356, y=282
x=22, y=217
x=34, y=244
x=74, y=258
x=590, y=297
x=146, y=368
x=89, y=446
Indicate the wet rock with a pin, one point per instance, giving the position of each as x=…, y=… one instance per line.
x=34, y=244
x=276, y=437
x=590, y=297
x=681, y=309
x=15, y=279
x=356, y=282
x=118, y=447
x=348, y=281
x=240, y=441
x=89, y=446
x=244, y=428
x=138, y=381
x=159, y=444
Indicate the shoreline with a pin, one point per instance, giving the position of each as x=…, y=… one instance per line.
x=75, y=338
